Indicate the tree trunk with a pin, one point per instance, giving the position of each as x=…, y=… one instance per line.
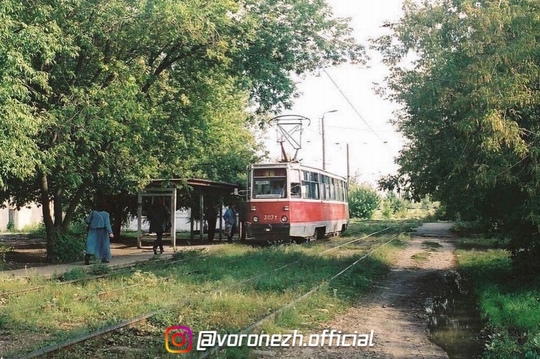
x=76, y=199
x=47, y=215
x=57, y=205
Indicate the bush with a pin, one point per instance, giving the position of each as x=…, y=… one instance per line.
x=395, y=206
x=68, y=247
x=363, y=202
x=99, y=269
x=74, y=274
x=3, y=250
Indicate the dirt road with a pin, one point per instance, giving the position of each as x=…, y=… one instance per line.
x=396, y=312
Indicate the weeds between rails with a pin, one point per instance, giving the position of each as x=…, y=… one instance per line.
x=253, y=326
x=184, y=302
x=108, y=330
x=121, y=270
x=112, y=272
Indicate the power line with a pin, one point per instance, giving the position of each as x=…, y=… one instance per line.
x=352, y=106
x=359, y=129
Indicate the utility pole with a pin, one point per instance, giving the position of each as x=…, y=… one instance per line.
x=323, y=139
x=348, y=167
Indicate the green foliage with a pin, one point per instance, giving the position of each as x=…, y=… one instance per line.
x=74, y=274
x=4, y=321
x=68, y=247
x=509, y=303
x=36, y=230
x=470, y=109
x=97, y=100
x=224, y=289
x=99, y=269
x=363, y=202
x=426, y=203
x=394, y=206
x=3, y=250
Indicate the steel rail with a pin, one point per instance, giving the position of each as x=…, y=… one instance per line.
x=125, y=323
x=272, y=315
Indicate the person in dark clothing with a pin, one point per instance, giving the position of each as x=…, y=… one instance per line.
x=211, y=215
x=159, y=216
x=230, y=222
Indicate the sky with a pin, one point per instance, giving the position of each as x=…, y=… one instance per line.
x=361, y=117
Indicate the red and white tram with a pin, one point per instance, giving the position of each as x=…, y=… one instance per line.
x=291, y=201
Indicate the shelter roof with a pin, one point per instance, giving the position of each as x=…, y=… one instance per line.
x=193, y=182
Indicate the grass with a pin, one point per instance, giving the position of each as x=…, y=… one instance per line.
x=225, y=289
x=360, y=227
x=508, y=302
x=431, y=245
x=420, y=257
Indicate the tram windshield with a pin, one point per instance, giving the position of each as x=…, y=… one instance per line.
x=269, y=183
x=270, y=187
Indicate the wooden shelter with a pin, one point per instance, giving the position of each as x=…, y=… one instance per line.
x=202, y=197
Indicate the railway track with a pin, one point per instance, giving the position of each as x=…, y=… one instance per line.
x=116, y=271
x=51, y=350
x=119, y=270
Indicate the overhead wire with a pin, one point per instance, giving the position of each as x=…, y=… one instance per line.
x=353, y=107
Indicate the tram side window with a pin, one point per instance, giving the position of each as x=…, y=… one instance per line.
x=310, y=185
x=325, y=187
x=311, y=190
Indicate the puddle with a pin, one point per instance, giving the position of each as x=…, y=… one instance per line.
x=454, y=322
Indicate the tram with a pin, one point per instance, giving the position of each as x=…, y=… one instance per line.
x=289, y=201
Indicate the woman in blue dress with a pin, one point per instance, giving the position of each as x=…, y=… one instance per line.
x=100, y=231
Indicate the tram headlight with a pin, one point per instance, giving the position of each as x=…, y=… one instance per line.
x=284, y=219
x=255, y=219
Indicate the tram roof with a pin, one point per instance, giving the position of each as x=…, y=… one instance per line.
x=294, y=165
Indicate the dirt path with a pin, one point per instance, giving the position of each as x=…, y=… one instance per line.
x=396, y=312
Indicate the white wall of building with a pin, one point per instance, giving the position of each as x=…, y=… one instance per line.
x=32, y=215
x=26, y=216
x=182, y=223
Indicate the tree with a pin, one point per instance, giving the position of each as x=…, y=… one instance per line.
x=470, y=109
x=363, y=201
x=102, y=96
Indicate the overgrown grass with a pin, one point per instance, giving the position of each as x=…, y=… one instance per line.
x=431, y=245
x=360, y=227
x=225, y=289
x=3, y=250
x=420, y=257
x=511, y=304
x=74, y=274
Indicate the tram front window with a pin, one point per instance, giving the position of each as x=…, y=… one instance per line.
x=269, y=188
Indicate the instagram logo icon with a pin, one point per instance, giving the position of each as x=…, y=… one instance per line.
x=180, y=337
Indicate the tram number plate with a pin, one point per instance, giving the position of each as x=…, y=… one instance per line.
x=270, y=217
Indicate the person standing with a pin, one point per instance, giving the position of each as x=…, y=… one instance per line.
x=100, y=232
x=230, y=222
x=159, y=216
x=211, y=216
